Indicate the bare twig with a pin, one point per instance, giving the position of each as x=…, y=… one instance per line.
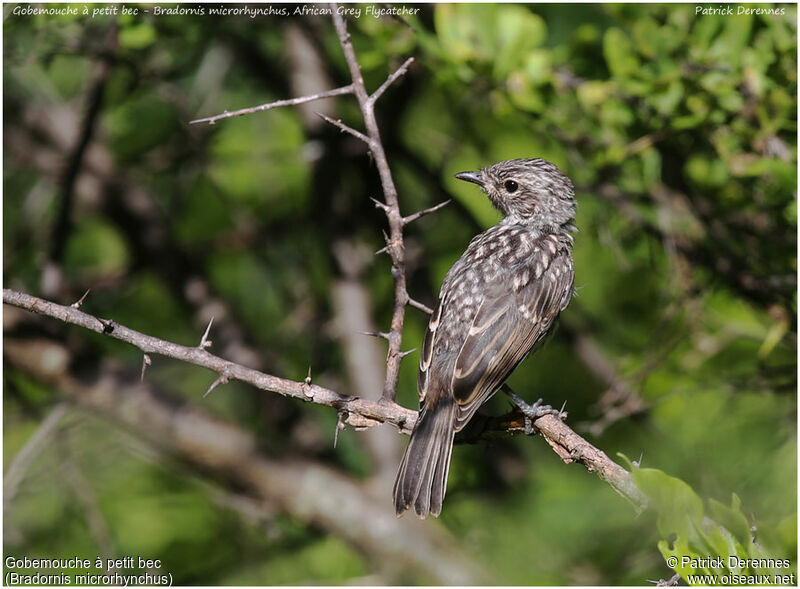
x=347, y=129
x=391, y=80
x=396, y=250
x=413, y=217
x=277, y=104
x=359, y=412
x=421, y=306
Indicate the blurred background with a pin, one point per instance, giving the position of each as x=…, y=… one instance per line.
x=680, y=350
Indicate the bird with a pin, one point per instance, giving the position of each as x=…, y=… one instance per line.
x=498, y=301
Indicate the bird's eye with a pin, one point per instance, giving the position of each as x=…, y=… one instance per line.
x=511, y=186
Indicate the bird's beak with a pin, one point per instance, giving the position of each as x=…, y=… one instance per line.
x=474, y=177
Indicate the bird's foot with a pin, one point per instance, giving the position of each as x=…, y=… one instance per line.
x=533, y=411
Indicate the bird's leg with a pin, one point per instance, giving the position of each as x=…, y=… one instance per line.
x=531, y=412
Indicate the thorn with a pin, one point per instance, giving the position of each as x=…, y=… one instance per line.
x=346, y=129
x=146, y=361
x=223, y=379
x=404, y=354
x=562, y=415
x=381, y=334
x=340, y=425
x=421, y=306
x=379, y=204
x=204, y=341
x=413, y=217
x=388, y=248
x=306, y=385
x=77, y=304
x=638, y=463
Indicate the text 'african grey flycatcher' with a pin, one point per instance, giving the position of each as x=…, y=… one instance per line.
x=497, y=301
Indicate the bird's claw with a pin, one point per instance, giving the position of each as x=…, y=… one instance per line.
x=533, y=411
x=536, y=410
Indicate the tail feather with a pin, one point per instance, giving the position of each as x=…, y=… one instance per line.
x=422, y=478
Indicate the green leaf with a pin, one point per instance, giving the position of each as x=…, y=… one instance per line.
x=465, y=31
x=667, y=101
x=731, y=518
x=735, y=36
x=537, y=65
x=137, y=36
x=523, y=94
x=679, y=508
x=593, y=93
x=619, y=53
x=518, y=33
x=96, y=248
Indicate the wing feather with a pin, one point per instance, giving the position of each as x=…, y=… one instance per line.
x=506, y=327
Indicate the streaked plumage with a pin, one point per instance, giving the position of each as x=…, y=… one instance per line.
x=496, y=302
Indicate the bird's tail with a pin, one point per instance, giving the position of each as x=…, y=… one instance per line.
x=422, y=478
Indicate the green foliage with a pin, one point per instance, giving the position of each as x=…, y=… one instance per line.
x=96, y=250
x=720, y=543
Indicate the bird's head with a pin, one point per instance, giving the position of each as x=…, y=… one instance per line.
x=532, y=192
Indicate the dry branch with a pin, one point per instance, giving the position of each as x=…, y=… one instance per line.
x=361, y=412
x=277, y=104
x=358, y=412
x=395, y=247
x=391, y=206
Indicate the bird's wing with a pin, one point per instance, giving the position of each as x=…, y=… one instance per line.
x=507, y=325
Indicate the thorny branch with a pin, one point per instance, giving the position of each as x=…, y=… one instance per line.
x=355, y=411
x=390, y=205
x=396, y=248
x=277, y=104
